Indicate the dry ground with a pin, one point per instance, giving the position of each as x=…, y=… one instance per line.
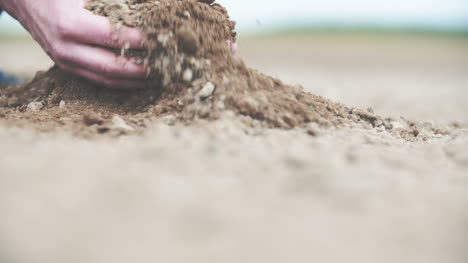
x=220, y=193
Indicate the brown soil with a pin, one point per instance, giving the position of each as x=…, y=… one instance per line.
x=192, y=75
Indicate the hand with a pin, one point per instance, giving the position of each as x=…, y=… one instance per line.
x=78, y=40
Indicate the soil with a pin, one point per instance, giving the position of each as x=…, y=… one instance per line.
x=235, y=190
x=192, y=75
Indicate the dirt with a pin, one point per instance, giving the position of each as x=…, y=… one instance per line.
x=192, y=75
x=232, y=189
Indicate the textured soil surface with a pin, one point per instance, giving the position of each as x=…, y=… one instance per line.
x=256, y=171
x=192, y=75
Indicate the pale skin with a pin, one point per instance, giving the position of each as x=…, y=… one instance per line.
x=78, y=41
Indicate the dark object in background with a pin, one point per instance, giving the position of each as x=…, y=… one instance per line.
x=7, y=80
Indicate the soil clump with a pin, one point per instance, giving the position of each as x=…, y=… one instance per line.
x=192, y=75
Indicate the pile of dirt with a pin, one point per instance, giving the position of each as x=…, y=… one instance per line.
x=192, y=75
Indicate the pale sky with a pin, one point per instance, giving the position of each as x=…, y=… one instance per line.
x=430, y=13
x=261, y=14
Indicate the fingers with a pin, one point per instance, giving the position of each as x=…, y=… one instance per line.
x=102, y=62
x=114, y=83
x=98, y=30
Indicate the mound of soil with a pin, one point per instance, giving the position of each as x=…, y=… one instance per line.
x=192, y=75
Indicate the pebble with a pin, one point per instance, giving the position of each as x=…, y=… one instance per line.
x=188, y=40
x=387, y=125
x=169, y=120
x=313, y=129
x=62, y=104
x=92, y=119
x=163, y=39
x=381, y=128
x=13, y=102
x=397, y=125
x=206, y=91
x=187, y=76
x=119, y=124
x=35, y=106
x=248, y=106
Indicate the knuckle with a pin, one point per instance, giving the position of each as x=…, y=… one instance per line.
x=108, y=70
x=64, y=66
x=60, y=54
x=108, y=82
x=65, y=27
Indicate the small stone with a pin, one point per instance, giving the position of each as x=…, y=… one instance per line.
x=65, y=119
x=397, y=125
x=206, y=91
x=290, y=120
x=312, y=132
x=102, y=130
x=378, y=123
x=119, y=124
x=313, y=129
x=163, y=39
x=380, y=128
x=169, y=120
x=188, y=40
x=62, y=104
x=35, y=106
x=367, y=116
x=13, y=102
x=247, y=106
x=442, y=131
x=92, y=119
x=388, y=125
x=187, y=75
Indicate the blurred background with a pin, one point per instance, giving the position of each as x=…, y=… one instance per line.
x=450, y=15
x=260, y=15
x=400, y=57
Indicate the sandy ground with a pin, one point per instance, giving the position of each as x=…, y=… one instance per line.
x=219, y=192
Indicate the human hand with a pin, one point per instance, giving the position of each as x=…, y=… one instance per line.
x=79, y=41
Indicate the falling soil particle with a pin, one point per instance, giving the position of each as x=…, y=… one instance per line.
x=192, y=75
